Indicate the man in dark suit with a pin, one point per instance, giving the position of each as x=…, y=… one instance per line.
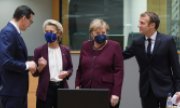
x=14, y=66
x=157, y=58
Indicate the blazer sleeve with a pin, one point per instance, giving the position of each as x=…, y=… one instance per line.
x=35, y=58
x=8, y=49
x=129, y=51
x=174, y=60
x=69, y=63
x=119, y=71
x=78, y=72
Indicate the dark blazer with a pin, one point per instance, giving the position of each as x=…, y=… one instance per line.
x=101, y=69
x=13, y=55
x=44, y=76
x=161, y=72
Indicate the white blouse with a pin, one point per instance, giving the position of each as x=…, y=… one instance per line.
x=55, y=63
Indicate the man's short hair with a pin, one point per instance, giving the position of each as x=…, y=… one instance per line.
x=21, y=11
x=154, y=18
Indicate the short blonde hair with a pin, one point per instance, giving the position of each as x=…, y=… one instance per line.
x=98, y=23
x=56, y=23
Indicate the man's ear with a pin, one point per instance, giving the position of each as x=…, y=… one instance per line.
x=153, y=25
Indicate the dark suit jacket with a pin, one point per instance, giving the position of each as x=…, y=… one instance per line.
x=44, y=76
x=161, y=72
x=13, y=55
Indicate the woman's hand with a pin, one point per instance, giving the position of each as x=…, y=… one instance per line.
x=63, y=74
x=42, y=62
x=77, y=87
x=114, y=100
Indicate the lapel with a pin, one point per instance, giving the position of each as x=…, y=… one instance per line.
x=45, y=52
x=63, y=56
x=142, y=43
x=157, y=43
x=23, y=45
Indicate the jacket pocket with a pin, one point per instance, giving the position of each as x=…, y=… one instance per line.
x=108, y=79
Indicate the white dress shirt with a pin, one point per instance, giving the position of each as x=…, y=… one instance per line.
x=15, y=25
x=153, y=40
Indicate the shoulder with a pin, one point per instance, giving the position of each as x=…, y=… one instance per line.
x=42, y=47
x=87, y=44
x=8, y=32
x=114, y=44
x=9, y=28
x=140, y=37
x=64, y=47
x=164, y=37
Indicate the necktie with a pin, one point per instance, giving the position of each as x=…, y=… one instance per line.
x=149, y=47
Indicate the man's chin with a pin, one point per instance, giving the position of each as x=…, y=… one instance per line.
x=23, y=30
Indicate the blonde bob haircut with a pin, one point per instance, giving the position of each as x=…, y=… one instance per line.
x=98, y=23
x=54, y=23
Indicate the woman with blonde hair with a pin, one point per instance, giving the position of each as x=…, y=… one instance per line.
x=54, y=65
x=101, y=63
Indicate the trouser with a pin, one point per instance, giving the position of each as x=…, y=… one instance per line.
x=14, y=102
x=152, y=101
x=51, y=98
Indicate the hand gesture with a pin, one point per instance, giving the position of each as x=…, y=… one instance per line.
x=31, y=66
x=42, y=62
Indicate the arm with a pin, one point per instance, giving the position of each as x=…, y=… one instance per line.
x=78, y=73
x=118, y=76
x=69, y=69
x=70, y=66
x=129, y=52
x=174, y=61
x=36, y=59
x=119, y=71
x=8, y=49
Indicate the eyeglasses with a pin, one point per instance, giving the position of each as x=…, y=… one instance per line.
x=31, y=21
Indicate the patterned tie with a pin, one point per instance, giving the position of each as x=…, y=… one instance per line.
x=149, y=47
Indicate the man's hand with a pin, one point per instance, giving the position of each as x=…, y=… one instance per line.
x=177, y=97
x=31, y=66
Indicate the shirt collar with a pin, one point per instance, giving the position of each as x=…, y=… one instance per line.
x=15, y=25
x=152, y=37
